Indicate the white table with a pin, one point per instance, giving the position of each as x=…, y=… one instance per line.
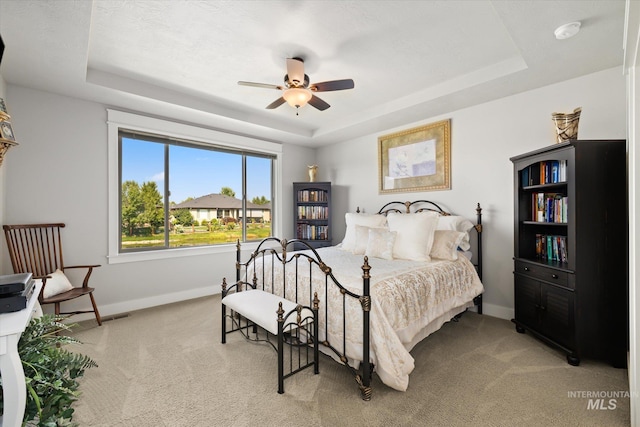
x=15, y=392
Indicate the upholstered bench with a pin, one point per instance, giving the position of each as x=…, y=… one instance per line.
x=276, y=315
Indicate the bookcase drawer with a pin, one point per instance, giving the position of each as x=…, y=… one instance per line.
x=547, y=274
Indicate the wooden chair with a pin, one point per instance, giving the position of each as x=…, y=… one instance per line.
x=37, y=249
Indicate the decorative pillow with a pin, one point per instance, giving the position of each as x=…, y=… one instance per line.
x=445, y=244
x=57, y=284
x=380, y=244
x=366, y=220
x=362, y=238
x=415, y=234
x=457, y=223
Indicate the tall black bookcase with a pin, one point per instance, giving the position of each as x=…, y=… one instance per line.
x=312, y=213
x=571, y=246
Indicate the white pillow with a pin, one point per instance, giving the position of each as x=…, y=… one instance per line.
x=445, y=244
x=457, y=223
x=366, y=220
x=57, y=284
x=362, y=238
x=415, y=234
x=380, y=244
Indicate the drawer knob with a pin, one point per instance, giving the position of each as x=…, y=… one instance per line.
x=526, y=269
x=555, y=276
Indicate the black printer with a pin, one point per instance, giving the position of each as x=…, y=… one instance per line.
x=15, y=291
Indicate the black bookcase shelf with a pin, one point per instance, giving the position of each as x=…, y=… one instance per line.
x=312, y=213
x=577, y=302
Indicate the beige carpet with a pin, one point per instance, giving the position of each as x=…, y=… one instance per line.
x=166, y=367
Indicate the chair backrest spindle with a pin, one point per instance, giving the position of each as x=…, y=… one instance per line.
x=35, y=248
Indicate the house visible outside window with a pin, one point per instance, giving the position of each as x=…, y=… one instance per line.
x=204, y=191
x=172, y=191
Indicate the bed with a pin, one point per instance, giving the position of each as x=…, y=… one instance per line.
x=397, y=277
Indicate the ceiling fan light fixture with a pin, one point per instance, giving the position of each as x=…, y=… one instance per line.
x=297, y=97
x=567, y=30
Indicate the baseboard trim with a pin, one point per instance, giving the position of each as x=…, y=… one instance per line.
x=111, y=310
x=498, y=311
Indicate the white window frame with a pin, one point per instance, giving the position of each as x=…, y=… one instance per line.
x=134, y=122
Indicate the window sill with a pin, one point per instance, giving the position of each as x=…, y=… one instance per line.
x=151, y=255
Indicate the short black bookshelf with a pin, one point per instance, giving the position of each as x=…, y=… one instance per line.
x=312, y=213
x=570, y=248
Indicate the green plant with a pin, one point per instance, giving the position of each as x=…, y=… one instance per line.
x=51, y=372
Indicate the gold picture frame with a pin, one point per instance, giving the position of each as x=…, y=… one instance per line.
x=417, y=159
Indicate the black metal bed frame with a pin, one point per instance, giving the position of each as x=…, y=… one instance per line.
x=364, y=373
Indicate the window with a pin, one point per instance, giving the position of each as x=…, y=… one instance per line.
x=194, y=190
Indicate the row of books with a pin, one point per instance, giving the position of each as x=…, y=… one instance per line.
x=551, y=248
x=313, y=212
x=549, y=207
x=312, y=196
x=549, y=172
x=312, y=232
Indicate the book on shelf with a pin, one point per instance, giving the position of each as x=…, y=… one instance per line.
x=551, y=247
x=312, y=196
x=553, y=174
x=312, y=232
x=549, y=207
x=547, y=172
x=540, y=207
x=313, y=212
x=563, y=170
x=524, y=176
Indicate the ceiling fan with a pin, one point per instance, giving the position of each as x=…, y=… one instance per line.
x=297, y=90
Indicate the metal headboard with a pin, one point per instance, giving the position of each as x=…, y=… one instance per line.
x=426, y=205
x=412, y=207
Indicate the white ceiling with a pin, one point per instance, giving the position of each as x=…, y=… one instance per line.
x=410, y=60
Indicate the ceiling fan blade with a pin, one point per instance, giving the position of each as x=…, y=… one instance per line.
x=318, y=103
x=262, y=85
x=295, y=70
x=275, y=104
x=332, y=85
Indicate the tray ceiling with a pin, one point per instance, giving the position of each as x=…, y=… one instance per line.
x=410, y=60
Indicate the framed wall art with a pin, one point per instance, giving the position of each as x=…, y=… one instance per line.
x=4, y=115
x=417, y=159
x=6, y=132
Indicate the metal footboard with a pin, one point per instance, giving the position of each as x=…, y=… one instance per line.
x=273, y=254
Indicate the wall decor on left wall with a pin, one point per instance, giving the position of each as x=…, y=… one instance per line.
x=7, y=137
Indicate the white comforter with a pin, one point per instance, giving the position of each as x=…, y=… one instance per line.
x=406, y=297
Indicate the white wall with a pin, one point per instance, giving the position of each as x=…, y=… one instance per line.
x=632, y=63
x=483, y=138
x=3, y=91
x=59, y=173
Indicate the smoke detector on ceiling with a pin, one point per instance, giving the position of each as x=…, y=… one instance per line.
x=567, y=30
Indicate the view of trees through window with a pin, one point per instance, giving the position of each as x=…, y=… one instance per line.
x=176, y=194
